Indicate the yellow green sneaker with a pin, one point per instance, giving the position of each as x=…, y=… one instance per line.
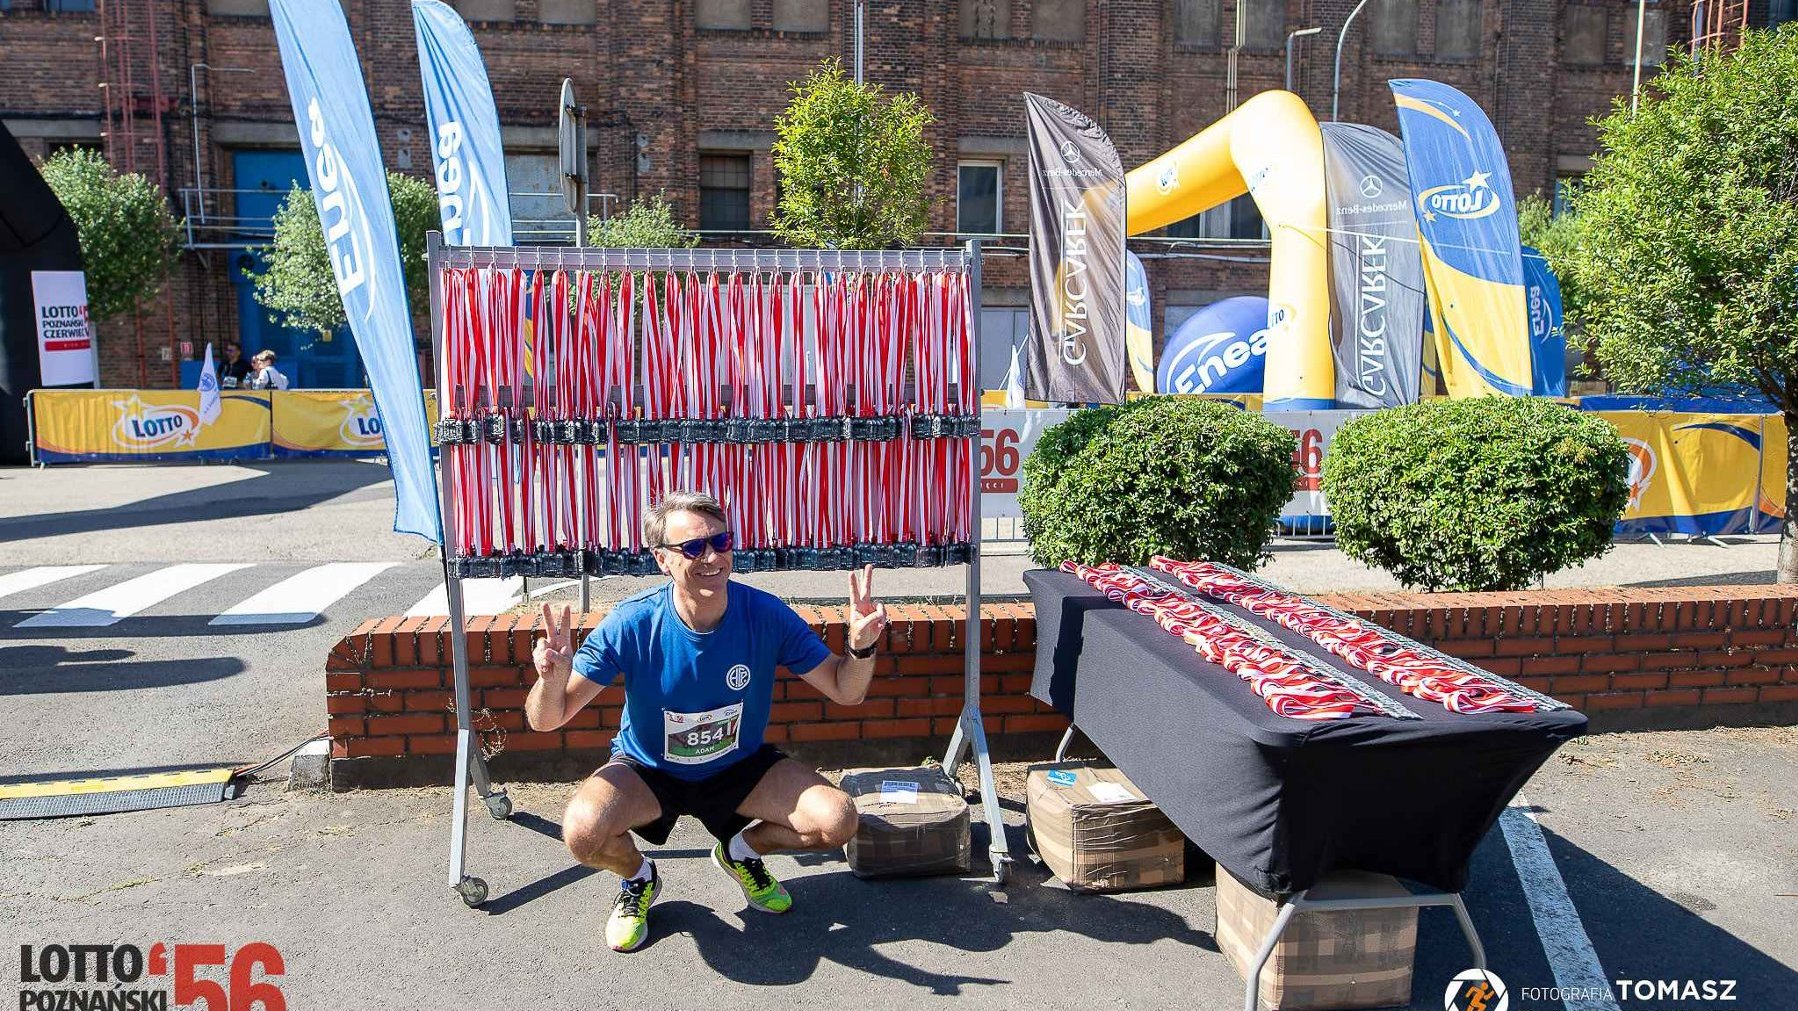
x=628, y=926
x=759, y=887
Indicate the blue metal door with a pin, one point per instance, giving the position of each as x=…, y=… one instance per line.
x=308, y=359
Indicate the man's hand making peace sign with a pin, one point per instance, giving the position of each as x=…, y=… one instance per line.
x=866, y=618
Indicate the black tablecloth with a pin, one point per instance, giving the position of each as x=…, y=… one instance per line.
x=1281, y=802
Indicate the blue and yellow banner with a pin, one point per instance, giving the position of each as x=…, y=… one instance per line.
x=466, y=153
x=1702, y=474
x=129, y=426
x=1467, y=221
x=311, y=423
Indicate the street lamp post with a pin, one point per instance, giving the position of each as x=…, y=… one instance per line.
x=1290, y=36
x=859, y=6
x=1635, y=89
x=1336, y=86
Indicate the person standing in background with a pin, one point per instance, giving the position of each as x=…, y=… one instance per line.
x=263, y=374
x=232, y=370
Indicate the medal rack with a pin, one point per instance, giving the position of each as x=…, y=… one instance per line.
x=828, y=398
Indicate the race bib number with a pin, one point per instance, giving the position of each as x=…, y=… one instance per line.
x=697, y=738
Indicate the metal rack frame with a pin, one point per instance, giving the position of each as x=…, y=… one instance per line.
x=471, y=768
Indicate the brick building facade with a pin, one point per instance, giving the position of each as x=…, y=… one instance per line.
x=685, y=91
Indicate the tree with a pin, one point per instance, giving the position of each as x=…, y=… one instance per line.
x=646, y=224
x=299, y=290
x=1557, y=236
x=127, y=233
x=852, y=164
x=1687, y=251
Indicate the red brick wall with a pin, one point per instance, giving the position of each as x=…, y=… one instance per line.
x=1685, y=656
x=647, y=69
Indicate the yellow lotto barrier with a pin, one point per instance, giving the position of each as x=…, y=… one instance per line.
x=1270, y=148
x=112, y=426
x=332, y=423
x=1702, y=474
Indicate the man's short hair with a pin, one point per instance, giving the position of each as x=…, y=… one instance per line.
x=655, y=523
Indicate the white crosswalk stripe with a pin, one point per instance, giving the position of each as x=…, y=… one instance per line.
x=300, y=598
x=479, y=596
x=43, y=575
x=109, y=606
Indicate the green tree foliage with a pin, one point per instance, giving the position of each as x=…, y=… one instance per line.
x=127, y=233
x=1161, y=475
x=1687, y=252
x=1487, y=493
x=852, y=162
x=646, y=224
x=1557, y=236
x=298, y=288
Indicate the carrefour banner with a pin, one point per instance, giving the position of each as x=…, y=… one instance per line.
x=126, y=426
x=466, y=152
x=1467, y=221
x=1077, y=288
x=1701, y=474
x=331, y=423
x=1548, y=336
x=1376, y=272
x=349, y=184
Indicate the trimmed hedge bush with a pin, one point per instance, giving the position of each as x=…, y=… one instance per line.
x=1160, y=475
x=1487, y=493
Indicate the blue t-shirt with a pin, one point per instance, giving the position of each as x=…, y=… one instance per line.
x=696, y=702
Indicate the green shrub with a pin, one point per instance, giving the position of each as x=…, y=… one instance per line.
x=1488, y=493
x=1161, y=475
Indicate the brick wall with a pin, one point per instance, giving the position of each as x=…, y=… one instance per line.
x=1628, y=658
x=645, y=69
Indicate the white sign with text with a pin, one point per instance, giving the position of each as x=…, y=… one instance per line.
x=65, y=341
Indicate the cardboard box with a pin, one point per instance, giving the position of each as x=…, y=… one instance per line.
x=1097, y=831
x=913, y=822
x=1351, y=959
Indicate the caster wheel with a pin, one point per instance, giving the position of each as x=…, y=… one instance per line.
x=499, y=805
x=473, y=891
x=1001, y=869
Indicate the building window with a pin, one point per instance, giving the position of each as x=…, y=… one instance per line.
x=1654, y=39
x=535, y=201
x=1781, y=11
x=1564, y=187
x=488, y=10
x=238, y=8
x=801, y=15
x=568, y=12
x=1060, y=20
x=1457, y=29
x=1395, y=28
x=1196, y=22
x=979, y=197
x=1583, y=36
x=69, y=6
x=724, y=192
x=985, y=19
x=1238, y=219
x=727, y=15
x=1264, y=23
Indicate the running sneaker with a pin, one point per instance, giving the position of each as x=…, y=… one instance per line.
x=759, y=887
x=628, y=926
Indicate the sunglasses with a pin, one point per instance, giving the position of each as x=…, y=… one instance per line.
x=695, y=549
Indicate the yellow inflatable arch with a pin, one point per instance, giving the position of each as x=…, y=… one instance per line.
x=1271, y=149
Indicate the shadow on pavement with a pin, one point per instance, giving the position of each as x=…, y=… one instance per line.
x=57, y=670
x=1751, y=578
x=286, y=486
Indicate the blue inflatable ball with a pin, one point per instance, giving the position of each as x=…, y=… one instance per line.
x=1222, y=348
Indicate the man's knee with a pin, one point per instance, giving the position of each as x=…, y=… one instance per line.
x=588, y=828
x=834, y=814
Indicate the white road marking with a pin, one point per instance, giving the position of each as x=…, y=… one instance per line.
x=300, y=598
x=43, y=575
x=1564, y=940
x=479, y=596
x=108, y=606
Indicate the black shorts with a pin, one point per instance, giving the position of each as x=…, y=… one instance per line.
x=714, y=800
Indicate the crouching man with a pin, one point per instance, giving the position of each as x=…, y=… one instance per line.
x=698, y=656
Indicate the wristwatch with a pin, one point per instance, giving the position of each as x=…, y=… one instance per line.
x=861, y=654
